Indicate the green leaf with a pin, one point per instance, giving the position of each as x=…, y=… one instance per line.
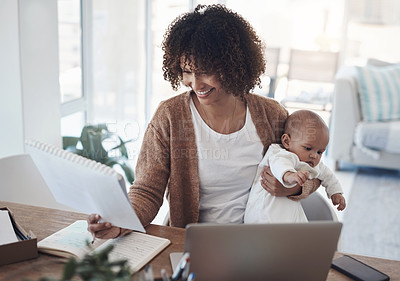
x=69, y=269
x=103, y=254
x=70, y=142
x=92, y=137
x=96, y=267
x=125, y=166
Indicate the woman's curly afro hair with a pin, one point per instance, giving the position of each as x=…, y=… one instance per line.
x=215, y=40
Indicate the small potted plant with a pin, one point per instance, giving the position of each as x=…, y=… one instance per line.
x=91, y=145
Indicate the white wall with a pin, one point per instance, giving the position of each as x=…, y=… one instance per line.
x=39, y=70
x=29, y=95
x=29, y=88
x=21, y=182
x=11, y=117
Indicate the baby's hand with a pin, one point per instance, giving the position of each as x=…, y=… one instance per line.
x=299, y=177
x=338, y=199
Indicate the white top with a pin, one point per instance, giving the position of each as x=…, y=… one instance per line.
x=227, y=167
x=281, y=161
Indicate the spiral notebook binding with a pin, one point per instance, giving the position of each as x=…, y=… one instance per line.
x=77, y=159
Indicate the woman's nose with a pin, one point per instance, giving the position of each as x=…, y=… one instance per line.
x=194, y=82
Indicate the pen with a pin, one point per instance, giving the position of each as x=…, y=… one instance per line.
x=185, y=271
x=180, y=267
x=148, y=273
x=93, y=234
x=164, y=275
x=190, y=277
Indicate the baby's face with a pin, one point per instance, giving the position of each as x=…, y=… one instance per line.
x=308, y=144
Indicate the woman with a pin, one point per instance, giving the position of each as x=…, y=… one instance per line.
x=202, y=147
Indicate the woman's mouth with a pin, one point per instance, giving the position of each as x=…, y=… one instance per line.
x=204, y=93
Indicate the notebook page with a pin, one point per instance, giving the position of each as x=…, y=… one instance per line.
x=137, y=248
x=69, y=241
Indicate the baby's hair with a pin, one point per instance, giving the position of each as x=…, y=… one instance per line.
x=218, y=41
x=302, y=121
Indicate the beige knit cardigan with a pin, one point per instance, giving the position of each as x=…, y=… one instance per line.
x=168, y=159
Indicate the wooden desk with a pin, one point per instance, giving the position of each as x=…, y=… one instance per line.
x=44, y=221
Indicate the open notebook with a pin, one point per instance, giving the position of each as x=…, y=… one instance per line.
x=83, y=184
x=71, y=241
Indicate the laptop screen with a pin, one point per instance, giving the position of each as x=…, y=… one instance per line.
x=302, y=251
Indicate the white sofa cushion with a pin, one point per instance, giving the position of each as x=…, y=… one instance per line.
x=373, y=137
x=379, y=90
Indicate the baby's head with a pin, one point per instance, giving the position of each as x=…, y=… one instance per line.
x=306, y=135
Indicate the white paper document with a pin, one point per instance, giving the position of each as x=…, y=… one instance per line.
x=85, y=185
x=7, y=233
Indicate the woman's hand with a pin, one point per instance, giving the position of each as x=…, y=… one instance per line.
x=102, y=230
x=273, y=186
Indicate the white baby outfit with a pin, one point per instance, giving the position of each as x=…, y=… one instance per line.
x=262, y=207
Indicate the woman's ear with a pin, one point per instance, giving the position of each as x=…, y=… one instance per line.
x=285, y=139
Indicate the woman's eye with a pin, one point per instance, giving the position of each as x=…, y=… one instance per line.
x=307, y=148
x=320, y=152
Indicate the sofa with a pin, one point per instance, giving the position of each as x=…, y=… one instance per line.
x=365, y=120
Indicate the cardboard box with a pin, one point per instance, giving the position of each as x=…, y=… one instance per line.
x=21, y=250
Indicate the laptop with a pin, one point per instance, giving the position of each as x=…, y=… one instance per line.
x=301, y=251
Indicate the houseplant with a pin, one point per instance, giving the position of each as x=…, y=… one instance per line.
x=91, y=142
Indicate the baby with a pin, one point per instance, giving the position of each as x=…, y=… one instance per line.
x=295, y=161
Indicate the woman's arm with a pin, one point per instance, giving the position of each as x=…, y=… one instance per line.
x=151, y=177
x=274, y=187
x=152, y=174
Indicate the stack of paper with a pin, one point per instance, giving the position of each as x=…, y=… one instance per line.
x=7, y=233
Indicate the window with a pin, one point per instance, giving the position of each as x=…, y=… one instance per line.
x=288, y=25
x=70, y=64
x=369, y=23
x=70, y=49
x=113, y=67
x=161, y=89
x=120, y=39
x=72, y=124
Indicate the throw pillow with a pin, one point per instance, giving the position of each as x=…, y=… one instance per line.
x=379, y=63
x=379, y=92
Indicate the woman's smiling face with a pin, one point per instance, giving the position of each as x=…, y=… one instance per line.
x=206, y=86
